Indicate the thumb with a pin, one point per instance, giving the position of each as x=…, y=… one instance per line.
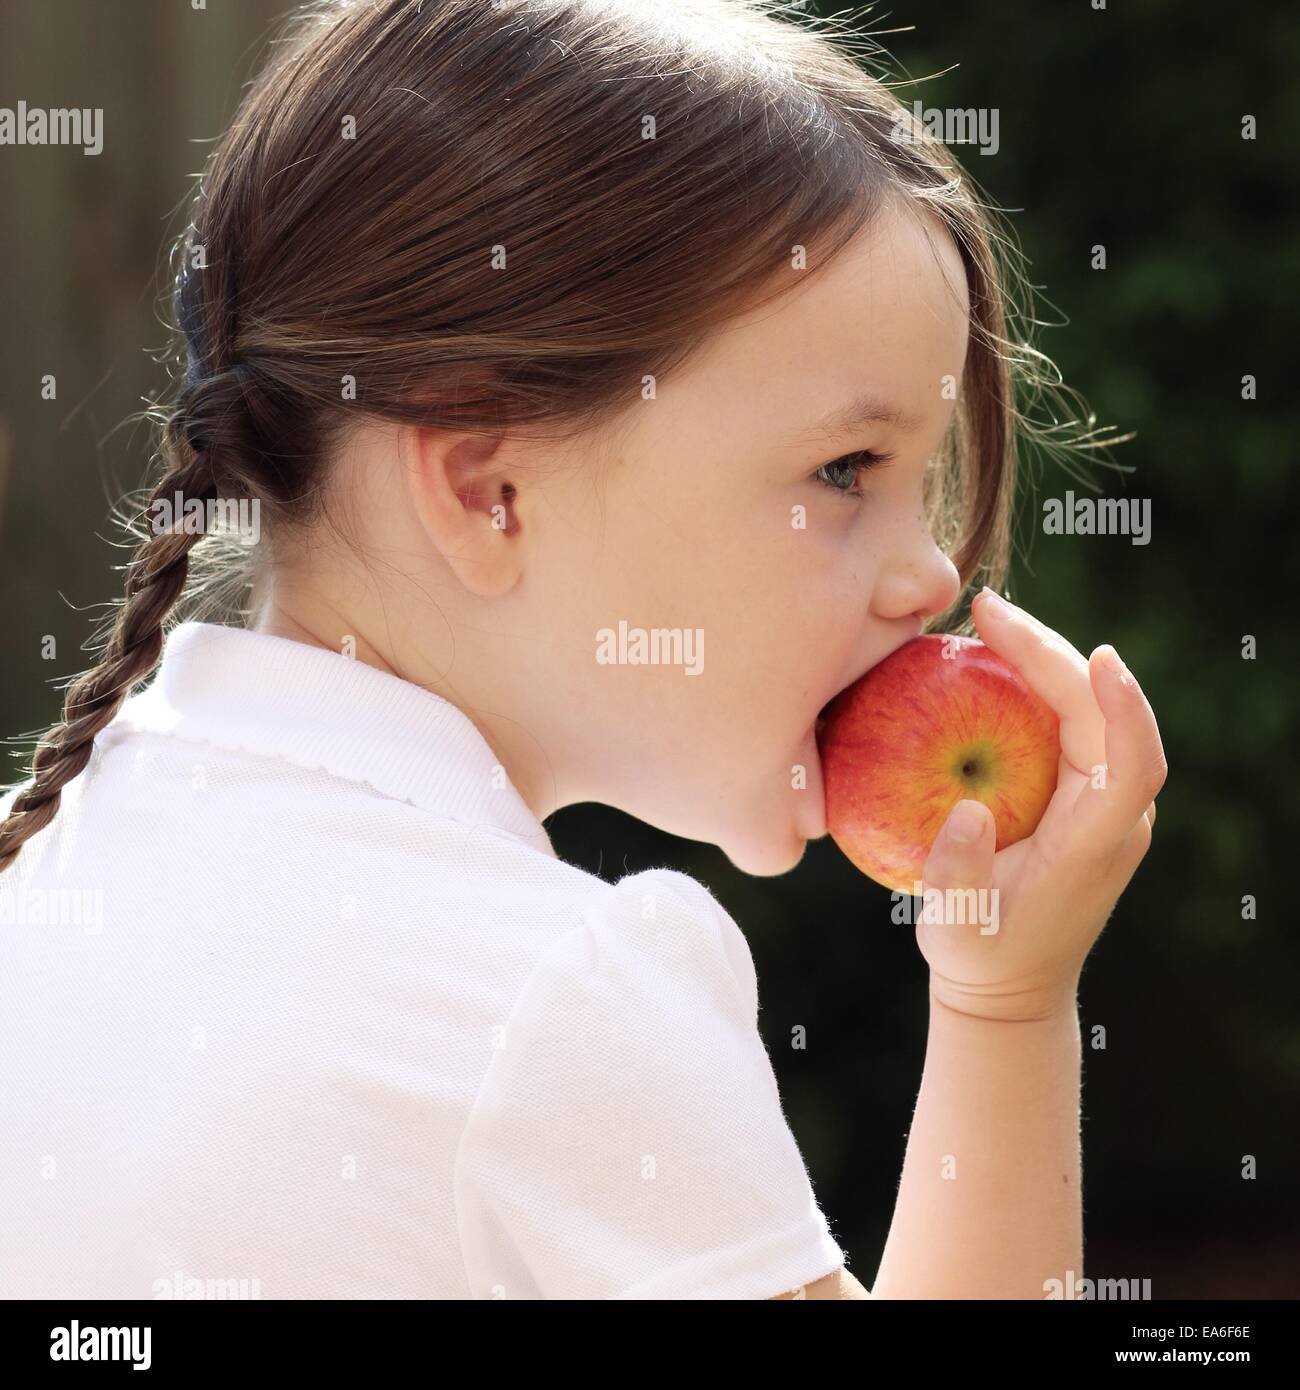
x=962, y=854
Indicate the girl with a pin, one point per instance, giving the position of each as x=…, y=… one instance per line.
x=613, y=384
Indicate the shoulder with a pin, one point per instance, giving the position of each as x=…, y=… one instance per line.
x=654, y=981
x=667, y=921
x=629, y=1140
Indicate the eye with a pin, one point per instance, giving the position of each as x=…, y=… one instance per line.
x=841, y=474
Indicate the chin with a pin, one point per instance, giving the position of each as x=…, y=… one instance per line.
x=767, y=858
x=774, y=843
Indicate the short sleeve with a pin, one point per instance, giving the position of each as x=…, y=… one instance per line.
x=628, y=1140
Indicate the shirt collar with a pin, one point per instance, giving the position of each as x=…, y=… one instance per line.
x=270, y=695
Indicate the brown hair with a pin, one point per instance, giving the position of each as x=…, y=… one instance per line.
x=503, y=214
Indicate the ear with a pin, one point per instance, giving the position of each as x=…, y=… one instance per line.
x=462, y=494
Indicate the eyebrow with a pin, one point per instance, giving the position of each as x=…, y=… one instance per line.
x=866, y=409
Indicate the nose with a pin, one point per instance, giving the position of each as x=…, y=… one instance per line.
x=917, y=579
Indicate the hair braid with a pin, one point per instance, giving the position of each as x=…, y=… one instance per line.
x=155, y=579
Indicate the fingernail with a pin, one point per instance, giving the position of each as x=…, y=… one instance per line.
x=992, y=601
x=966, y=824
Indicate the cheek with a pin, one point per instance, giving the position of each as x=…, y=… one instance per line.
x=834, y=602
x=784, y=647
x=778, y=611
x=839, y=566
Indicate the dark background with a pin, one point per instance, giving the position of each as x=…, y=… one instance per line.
x=1119, y=127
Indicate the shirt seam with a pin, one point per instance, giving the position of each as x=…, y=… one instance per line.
x=520, y=996
x=723, y=925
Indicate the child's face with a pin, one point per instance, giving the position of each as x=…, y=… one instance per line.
x=705, y=517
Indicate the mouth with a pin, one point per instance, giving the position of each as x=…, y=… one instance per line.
x=820, y=721
x=811, y=817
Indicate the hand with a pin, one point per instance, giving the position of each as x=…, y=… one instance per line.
x=1054, y=890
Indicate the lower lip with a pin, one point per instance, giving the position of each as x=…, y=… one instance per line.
x=814, y=806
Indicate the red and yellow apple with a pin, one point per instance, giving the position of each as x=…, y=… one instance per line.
x=941, y=720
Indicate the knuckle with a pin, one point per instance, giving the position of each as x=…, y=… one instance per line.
x=1157, y=771
x=1120, y=858
x=1137, y=842
x=1052, y=644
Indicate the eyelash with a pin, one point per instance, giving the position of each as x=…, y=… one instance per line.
x=862, y=461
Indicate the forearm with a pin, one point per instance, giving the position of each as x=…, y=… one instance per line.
x=989, y=1205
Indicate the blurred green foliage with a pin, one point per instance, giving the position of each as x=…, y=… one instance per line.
x=1118, y=126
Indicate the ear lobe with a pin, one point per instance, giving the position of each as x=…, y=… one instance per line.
x=466, y=505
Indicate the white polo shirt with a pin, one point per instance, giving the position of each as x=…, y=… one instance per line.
x=297, y=1001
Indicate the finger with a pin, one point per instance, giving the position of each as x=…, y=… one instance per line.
x=1109, y=807
x=962, y=853
x=1151, y=815
x=1133, y=848
x=1053, y=669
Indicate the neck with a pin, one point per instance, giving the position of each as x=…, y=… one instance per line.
x=317, y=621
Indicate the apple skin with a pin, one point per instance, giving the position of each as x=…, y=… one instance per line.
x=921, y=731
